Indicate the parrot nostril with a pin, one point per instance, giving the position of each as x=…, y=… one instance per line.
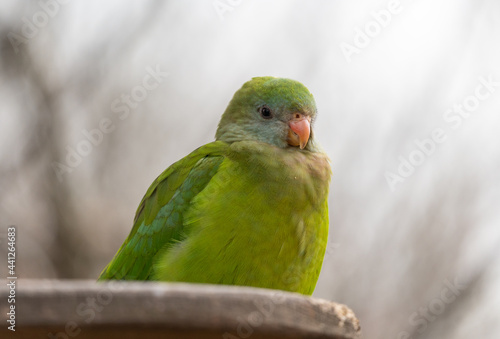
x=297, y=116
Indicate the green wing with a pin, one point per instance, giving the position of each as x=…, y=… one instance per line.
x=159, y=218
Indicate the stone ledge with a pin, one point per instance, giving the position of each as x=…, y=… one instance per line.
x=86, y=309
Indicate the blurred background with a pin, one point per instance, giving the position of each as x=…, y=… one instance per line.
x=99, y=97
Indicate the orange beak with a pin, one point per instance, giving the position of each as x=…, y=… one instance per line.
x=300, y=130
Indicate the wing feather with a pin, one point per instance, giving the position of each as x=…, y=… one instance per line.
x=158, y=220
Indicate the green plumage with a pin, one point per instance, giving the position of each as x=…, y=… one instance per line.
x=247, y=209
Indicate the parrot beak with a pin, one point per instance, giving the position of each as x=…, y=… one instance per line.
x=300, y=129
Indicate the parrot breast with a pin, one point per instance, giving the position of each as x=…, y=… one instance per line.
x=261, y=221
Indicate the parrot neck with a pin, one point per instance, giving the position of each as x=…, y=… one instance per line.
x=231, y=133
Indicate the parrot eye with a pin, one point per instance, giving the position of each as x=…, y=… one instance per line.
x=265, y=112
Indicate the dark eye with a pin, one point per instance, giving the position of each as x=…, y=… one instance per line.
x=265, y=112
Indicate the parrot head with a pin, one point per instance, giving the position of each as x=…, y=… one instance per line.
x=277, y=111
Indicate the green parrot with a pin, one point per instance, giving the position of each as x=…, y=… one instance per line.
x=250, y=208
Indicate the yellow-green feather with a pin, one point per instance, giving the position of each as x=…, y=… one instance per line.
x=261, y=221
